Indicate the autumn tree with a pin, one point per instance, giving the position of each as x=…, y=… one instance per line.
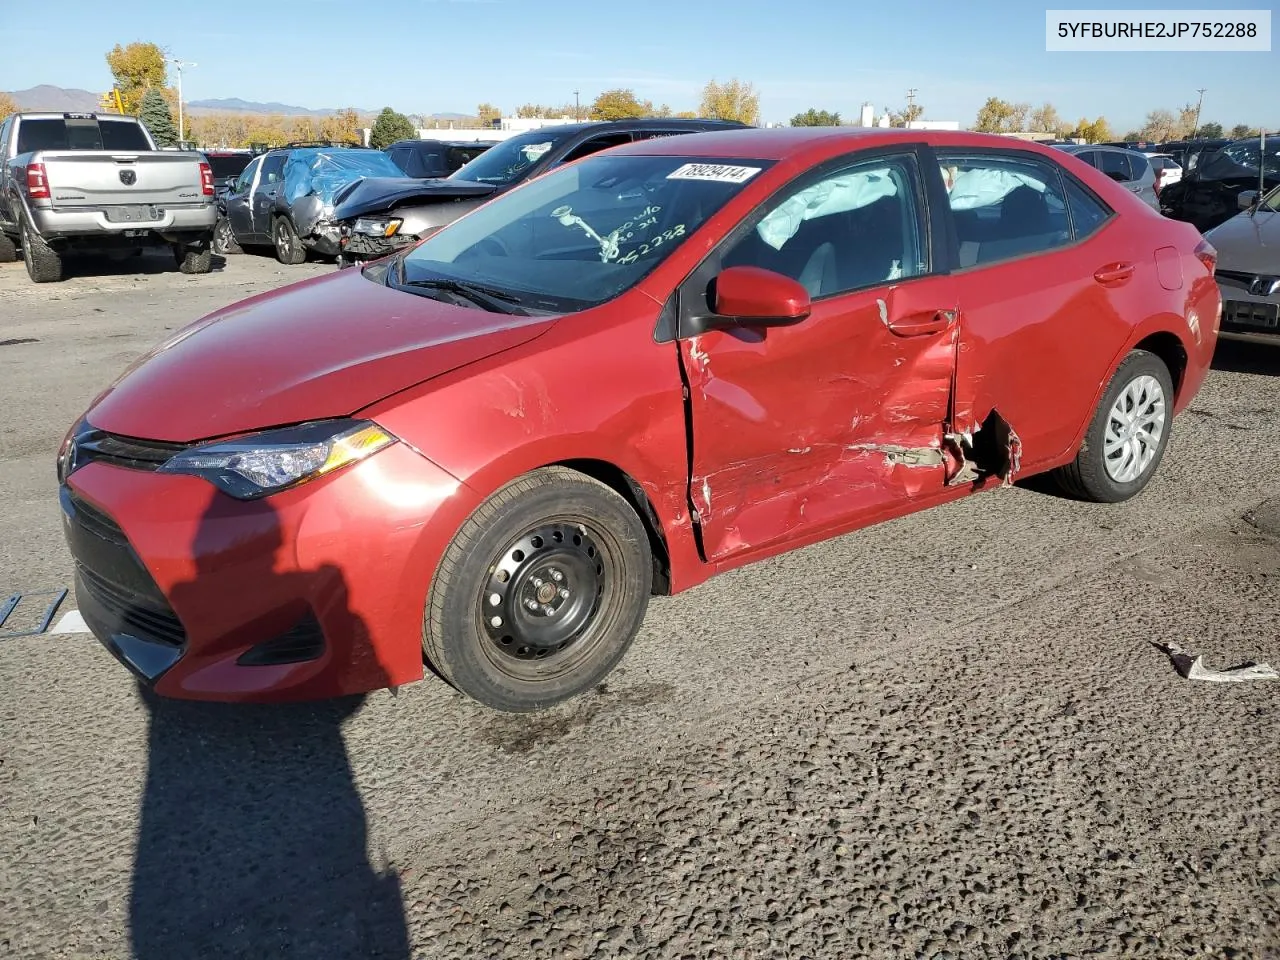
x=342, y=127
x=900, y=118
x=1241, y=130
x=1000, y=116
x=390, y=127
x=155, y=116
x=1186, y=123
x=1211, y=130
x=268, y=131
x=137, y=68
x=816, y=118
x=537, y=110
x=732, y=100
x=488, y=113
x=1099, y=131
x=619, y=104
x=8, y=105
x=301, y=129
x=1045, y=119
x=1161, y=125
x=664, y=110
x=687, y=114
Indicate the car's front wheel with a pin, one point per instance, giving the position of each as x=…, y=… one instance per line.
x=288, y=244
x=1127, y=437
x=540, y=593
x=224, y=238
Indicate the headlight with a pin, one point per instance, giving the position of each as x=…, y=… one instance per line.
x=264, y=463
x=376, y=226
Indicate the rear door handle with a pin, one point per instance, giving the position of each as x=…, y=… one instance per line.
x=1113, y=272
x=922, y=323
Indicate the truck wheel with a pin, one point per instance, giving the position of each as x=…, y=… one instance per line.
x=224, y=239
x=44, y=264
x=288, y=244
x=198, y=259
x=8, y=249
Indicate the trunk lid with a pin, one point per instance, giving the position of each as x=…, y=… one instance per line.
x=98, y=178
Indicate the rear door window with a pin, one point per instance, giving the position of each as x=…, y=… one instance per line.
x=1088, y=213
x=1115, y=165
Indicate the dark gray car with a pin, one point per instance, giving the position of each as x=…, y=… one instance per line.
x=1128, y=167
x=1248, y=272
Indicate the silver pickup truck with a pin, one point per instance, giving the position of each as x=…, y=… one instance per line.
x=96, y=183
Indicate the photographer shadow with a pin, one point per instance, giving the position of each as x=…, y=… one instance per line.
x=252, y=835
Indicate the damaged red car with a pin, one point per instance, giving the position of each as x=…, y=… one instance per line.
x=645, y=368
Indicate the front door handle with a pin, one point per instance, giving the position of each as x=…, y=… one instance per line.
x=1113, y=272
x=922, y=323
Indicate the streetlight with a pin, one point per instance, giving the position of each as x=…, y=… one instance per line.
x=182, y=133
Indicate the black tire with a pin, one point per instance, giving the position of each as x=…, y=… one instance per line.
x=534, y=541
x=1086, y=477
x=44, y=264
x=194, y=259
x=8, y=249
x=224, y=239
x=287, y=243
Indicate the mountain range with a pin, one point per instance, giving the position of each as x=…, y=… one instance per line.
x=72, y=100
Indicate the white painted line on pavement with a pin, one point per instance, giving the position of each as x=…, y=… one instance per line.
x=70, y=622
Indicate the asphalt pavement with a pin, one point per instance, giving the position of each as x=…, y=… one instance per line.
x=951, y=735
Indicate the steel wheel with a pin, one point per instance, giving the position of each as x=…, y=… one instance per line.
x=1134, y=429
x=539, y=603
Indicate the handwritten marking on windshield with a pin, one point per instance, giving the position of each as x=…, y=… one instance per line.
x=609, y=246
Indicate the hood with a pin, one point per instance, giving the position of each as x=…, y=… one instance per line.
x=325, y=347
x=379, y=194
x=1248, y=244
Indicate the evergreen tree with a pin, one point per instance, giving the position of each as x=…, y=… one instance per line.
x=390, y=127
x=156, y=117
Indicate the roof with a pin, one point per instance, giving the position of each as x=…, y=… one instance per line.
x=777, y=143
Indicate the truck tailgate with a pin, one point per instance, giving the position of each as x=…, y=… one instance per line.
x=98, y=179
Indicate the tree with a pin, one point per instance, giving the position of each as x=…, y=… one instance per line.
x=8, y=105
x=155, y=116
x=900, y=118
x=1045, y=119
x=390, y=127
x=342, y=127
x=732, y=100
x=816, y=118
x=619, y=104
x=1000, y=116
x=1161, y=125
x=1098, y=131
x=1211, y=130
x=488, y=113
x=301, y=129
x=137, y=68
x=687, y=114
x=663, y=110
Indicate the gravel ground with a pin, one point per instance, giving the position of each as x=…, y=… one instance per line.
x=946, y=736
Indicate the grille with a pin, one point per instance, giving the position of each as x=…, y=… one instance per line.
x=95, y=445
x=114, y=577
x=1246, y=314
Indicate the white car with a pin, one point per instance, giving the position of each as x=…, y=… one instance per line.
x=1167, y=170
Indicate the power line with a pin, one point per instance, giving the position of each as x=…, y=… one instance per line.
x=1199, y=102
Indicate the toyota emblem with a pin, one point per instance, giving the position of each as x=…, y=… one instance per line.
x=128, y=177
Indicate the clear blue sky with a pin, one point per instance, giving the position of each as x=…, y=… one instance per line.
x=427, y=56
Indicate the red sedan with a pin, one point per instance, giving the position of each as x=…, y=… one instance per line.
x=637, y=371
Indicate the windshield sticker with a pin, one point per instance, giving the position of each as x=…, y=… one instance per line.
x=535, y=150
x=719, y=172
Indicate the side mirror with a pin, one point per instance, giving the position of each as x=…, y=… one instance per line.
x=754, y=297
x=1247, y=199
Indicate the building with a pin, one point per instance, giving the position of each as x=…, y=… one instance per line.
x=501, y=130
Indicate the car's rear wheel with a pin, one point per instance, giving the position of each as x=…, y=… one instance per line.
x=288, y=244
x=541, y=592
x=44, y=264
x=224, y=239
x=1127, y=437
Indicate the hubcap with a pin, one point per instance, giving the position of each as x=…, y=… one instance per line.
x=542, y=594
x=1134, y=429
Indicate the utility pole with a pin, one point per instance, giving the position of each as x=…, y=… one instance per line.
x=577, y=110
x=182, y=131
x=1198, y=104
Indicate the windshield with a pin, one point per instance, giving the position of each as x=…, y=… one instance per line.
x=227, y=165
x=80, y=133
x=510, y=160
x=1241, y=159
x=581, y=235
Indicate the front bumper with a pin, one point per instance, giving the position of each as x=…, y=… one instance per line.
x=314, y=592
x=1250, y=314
x=360, y=246
x=324, y=239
